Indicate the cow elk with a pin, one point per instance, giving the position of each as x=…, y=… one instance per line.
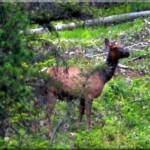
x=74, y=83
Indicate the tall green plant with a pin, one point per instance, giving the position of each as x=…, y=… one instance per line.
x=14, y=62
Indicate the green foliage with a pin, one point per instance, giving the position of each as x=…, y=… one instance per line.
x=15, y=59
x=122, y=8
x=57, y=10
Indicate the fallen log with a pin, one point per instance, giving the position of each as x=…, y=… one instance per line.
x=116, y=18
x=99, y=21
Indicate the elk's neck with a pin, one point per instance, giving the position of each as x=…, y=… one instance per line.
x=108, y=71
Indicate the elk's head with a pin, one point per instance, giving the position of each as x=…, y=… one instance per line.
x=116, y=50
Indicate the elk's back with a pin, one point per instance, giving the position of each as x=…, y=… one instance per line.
x=71, y=80
x=74, y=81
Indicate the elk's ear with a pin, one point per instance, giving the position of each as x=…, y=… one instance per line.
x=106, y=42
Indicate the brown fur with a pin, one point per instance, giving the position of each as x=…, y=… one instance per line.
x=75, y=82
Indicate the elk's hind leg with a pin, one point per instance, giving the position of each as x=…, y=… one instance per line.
x=88, y=105
x=51, y=100
x=81, y=109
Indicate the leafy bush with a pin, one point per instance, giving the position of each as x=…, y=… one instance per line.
x=15, y=62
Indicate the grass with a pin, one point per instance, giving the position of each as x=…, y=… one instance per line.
x=96, y=32
x=120, y=118
x=94, y=36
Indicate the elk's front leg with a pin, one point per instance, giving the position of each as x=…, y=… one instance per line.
x=51, y=100
x=88, y=105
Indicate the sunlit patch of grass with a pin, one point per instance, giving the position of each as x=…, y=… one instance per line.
x=92, y=36
x=98, y=31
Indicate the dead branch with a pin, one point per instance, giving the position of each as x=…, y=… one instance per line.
x=139, y=57
x=123, y=66
x=140, y=44
x=56, y=129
